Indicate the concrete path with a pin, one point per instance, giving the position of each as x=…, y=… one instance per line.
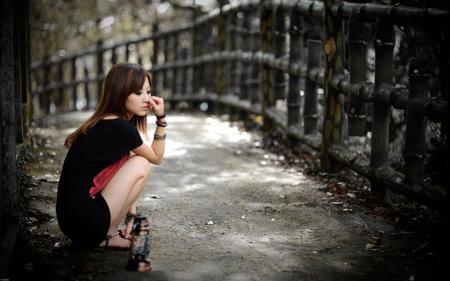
x=221, y=208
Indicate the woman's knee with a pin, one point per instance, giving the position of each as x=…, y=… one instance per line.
x=141, y=165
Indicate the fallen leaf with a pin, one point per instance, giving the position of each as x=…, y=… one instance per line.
x=369, y=246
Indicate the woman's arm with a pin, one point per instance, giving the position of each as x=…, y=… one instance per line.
x=155, y=152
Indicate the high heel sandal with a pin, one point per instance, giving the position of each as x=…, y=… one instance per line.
x=116, y=248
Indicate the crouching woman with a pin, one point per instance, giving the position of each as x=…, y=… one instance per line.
x=108, y=164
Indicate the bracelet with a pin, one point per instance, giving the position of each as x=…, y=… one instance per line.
x=162, y=116
x=157, y=137
x=160, y=123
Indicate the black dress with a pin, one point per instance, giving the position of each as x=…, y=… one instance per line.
x=85, y=219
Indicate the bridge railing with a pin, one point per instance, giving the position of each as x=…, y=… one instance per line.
x=304, y=66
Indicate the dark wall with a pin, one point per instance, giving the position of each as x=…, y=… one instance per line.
x=14, y=90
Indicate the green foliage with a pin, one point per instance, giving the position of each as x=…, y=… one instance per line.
x=65, y=26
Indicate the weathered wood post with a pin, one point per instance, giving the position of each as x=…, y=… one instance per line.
x=235, y=64
x=293, y=98
x=18, y=58
x=194, y=53
x=357, y=38
x=237, y=47
x=230, y=47
x=198, y=65
x=138, y=54
x=268, y=73
x=280, y=52
x=221, y=78
x=174, y=58
x=100, y=72
x=154, y=60
x=24, y=26
x=113, y=56
x=86, y=85
x=210, y=77
x=8, y=182
x=384, y=62
x=60, y=78
x=45, y=94
x=204, y=66
x=184, y=83
x=310, y=106
x=165, y=72
x=246, y=66
x=415, y=148
x=127, y=52
x=73, y=78
x=255, y=46
x=334, y=58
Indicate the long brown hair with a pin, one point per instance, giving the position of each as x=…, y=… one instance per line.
x=122, y=80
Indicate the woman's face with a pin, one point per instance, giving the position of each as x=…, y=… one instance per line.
x=137, y=103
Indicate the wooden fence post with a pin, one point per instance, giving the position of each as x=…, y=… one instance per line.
x=8, y=182
x=138, y=54
x=44, y=99
x=211, y=47
x=333, y=111
x=356, y=112
x=203, y=47
x=166, y=51
x=236, y=46
x=86, y=84
x=255, y=46
x=414, y=153
x=73, y=77
x=113, y=56
x=127, y=52
x=154, y=60
x=221, y=81
x=310, y=107
x=384, y=62
x=25, y=68
x=100, y=72
x=18, y=58
x=184, y=73
x=231, y=47
x=60, y=78
x=293, y=98
x=280, y=52
x=268, y=73
x=246, y=66
x=174, y=58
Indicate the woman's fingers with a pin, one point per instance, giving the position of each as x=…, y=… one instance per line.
x=157, y=105
x=157, y=100
x=152, y=102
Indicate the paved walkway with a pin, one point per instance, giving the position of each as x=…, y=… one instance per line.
x=221, y=208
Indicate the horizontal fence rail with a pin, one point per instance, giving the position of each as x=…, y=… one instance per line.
x=302, y=65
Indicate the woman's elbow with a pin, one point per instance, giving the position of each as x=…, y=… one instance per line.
x=158, y=161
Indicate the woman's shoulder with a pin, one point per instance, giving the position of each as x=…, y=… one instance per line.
x=117, y=122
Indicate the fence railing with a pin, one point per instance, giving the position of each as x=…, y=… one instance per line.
x=302, y=65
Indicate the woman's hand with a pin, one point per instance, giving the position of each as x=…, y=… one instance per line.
x=157, y=105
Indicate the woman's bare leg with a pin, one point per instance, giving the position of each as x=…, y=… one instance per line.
x=123, y=190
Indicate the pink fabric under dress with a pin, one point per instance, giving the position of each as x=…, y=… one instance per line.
x=102, y=178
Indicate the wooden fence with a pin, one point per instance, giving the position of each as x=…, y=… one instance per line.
x=302, y=65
